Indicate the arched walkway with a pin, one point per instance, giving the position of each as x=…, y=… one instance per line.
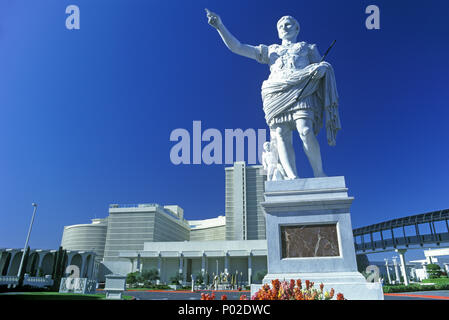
x=7, y=259
x=77, y=260
x=33, y=262
x=15, y=263
x=47, y=264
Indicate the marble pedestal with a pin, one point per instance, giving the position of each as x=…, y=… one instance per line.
x=309, y=236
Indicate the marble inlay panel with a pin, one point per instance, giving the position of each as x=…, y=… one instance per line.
x=309, y=241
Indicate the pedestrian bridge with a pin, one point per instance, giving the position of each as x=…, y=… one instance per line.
x=426, y=230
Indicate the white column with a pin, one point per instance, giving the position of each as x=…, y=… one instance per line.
x=83, y=266
x=181, y=264
x=139, y=263
x=396, y=271
x=90, y=267
x=159, y=266
x=413, y=274
x=3, y=256
x=203, y=265
x=388, y=270
x=250, y=268
x=403, y=266
x=96, y=270
x=41, y=259
x=184, y=272
x=226, y=263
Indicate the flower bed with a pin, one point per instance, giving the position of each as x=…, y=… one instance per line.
x=293, y=290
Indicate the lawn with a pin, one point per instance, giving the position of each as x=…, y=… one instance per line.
x=60, y=296
x=440, y=284
x=437, y=281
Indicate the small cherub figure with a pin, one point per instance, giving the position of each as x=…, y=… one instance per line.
x=270, y=162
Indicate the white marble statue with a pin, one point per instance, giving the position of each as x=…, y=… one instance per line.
x=291, y=65
x=270, y=162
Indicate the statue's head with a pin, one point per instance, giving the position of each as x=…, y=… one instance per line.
x=266, y=146
x=288, y=28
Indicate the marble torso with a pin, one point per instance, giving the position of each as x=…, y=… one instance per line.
x=283, y=60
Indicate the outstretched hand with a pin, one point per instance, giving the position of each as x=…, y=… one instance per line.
x=213, y=19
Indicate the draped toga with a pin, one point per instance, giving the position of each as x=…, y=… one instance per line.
x=291, y=66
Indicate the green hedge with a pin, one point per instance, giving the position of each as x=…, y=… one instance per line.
x=153, y=287
x=414, y=287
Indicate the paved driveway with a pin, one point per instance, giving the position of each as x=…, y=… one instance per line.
x=419, y=295
x=235, y=295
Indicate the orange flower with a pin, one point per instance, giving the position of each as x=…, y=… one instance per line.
x=276, y=284
x=288, y=291
x=299, y=296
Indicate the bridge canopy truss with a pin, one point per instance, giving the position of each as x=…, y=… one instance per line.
x=392, y=234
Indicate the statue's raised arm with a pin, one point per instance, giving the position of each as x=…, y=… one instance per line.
x=230, y=41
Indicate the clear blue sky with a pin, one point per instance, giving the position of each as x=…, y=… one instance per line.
x=86, y=115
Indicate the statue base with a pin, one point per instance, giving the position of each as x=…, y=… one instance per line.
x=309, y=236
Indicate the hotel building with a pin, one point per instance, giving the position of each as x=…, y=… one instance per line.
x=150, y=236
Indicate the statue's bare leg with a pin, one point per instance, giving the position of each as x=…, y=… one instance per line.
x=311, y=146
x=286, y=152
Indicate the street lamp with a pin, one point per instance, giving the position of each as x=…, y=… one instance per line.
x=28, y=238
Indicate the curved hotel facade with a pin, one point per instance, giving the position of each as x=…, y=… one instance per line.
x=86, y=237
x=151, y=236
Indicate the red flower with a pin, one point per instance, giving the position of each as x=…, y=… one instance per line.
x=307, y=284
x=224, y=297
x=243, y=297
x=292, y=284
x=340, y=296
x=321, y=287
